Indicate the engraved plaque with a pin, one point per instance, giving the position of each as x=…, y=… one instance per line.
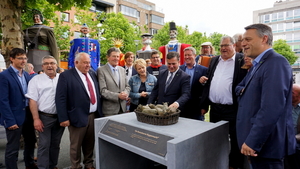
x=144, y=139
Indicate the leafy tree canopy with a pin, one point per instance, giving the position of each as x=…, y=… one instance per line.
x=281, y=47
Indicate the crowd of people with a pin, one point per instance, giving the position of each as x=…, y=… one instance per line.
x=248, y=84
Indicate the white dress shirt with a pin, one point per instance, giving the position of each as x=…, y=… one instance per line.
x=93, y=107
x=42, y=89
x=221, y=84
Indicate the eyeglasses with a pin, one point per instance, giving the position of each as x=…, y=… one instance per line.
x=22, y=58
x=225, y=45
x=154, y=57
x=51, y=63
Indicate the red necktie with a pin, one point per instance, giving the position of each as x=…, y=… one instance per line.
x=91, y=90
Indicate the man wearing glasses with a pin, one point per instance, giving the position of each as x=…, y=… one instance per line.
x=156, y=66
x=224, y=74
x=41, y=94
x=14, y=110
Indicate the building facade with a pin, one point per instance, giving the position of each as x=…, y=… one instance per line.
x=284, y=19
x=144, y=13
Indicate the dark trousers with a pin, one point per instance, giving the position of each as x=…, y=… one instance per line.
x=292, y=161
x=49, y=142
x=228, y=113
x=82, y=138
x=266, y=163
x=13, y=143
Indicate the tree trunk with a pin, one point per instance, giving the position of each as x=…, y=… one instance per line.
x=11, y=26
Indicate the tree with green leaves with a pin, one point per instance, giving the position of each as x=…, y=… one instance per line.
x=12, y=12
x=281, y=47
x=116, y=26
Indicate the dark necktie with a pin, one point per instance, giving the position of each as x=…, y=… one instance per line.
x=91, y=90
x=169, y=81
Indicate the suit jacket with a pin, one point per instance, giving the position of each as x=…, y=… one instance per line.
x=12, y=98
x=110, y=90
x=72, y=99
x=193, y=105
x=264, y=119
x=178, y=90
x=238, y=76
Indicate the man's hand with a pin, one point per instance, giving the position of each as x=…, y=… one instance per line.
x=38, y=125
x=247, y=151
x=13, y=127
x=123, y=96
x=203, y=79
x=65, y=123
x=174, y=106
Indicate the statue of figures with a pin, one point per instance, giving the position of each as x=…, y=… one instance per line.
x=173, y=45
x=39, y=41
x=87, y=45
x=145, y=52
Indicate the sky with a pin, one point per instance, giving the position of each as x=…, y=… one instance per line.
x=223, y=16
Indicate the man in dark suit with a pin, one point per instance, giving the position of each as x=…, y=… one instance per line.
x=78, y=104
x=192, y=108
x=264, y=120
x=15, y=114
x=173, y=85
x=224, y=74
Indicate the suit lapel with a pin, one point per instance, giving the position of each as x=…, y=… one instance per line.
x=111, y=74
x=14, y=75
x=77, y=77
x=252, y=73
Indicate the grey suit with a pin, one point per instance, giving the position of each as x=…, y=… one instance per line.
x=110, y=90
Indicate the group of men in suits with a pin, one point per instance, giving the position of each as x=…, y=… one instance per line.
x=257, y=103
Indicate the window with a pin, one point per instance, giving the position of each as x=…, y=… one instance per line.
x=297, y=36
x=128, y=11
x=274, y=17
x=154, y=31
x=274, y=27
x=289, y=14
x=157, y=19
x=297, y=25
x=289, y=26
x=289, y=37
x=65, y=16
x=280, y=27
x=296, y=48
x=280, y=16
x=77, y=34
x=267, y=18
x=146, y=22
x=297, y=13
x=138, y=16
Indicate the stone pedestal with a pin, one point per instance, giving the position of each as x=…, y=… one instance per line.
x=195, y=144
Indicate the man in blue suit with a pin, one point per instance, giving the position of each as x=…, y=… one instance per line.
x=15, y=113
x=192, y=108
x=264, y=120
x=78, y=104
x=173, y=85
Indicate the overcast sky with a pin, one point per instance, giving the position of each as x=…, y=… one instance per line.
x=222, y=16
